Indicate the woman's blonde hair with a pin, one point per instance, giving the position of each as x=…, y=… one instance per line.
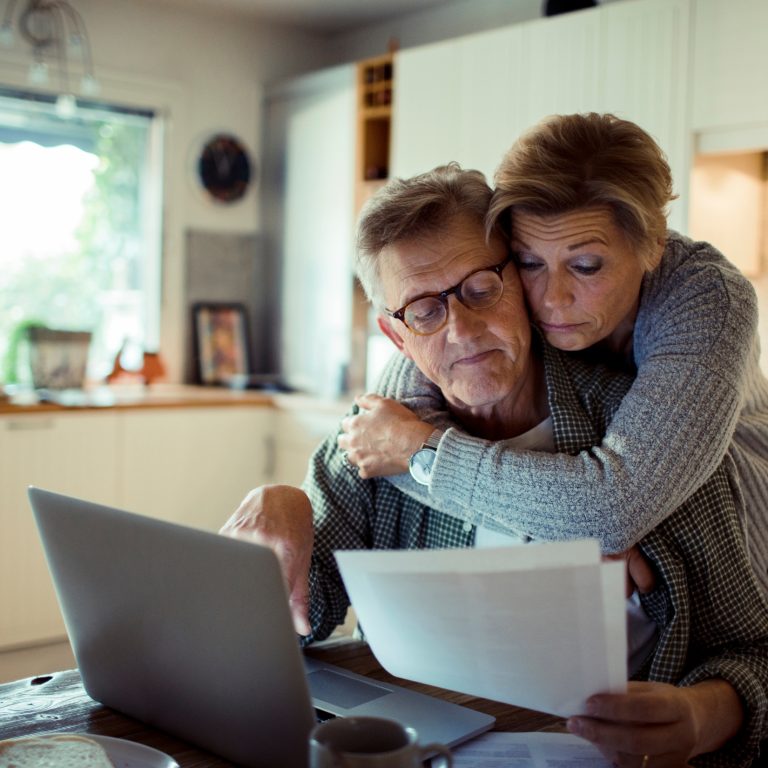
x=575, y=161
x=409, y=209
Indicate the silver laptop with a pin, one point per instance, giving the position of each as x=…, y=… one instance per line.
x=190, y=632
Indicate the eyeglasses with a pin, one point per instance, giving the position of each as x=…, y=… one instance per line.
x=478, y=290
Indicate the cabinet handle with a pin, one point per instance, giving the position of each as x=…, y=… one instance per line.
x=27, y=425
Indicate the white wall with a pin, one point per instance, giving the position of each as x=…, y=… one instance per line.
x=204, y=72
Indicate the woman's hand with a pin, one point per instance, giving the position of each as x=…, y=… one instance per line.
x=381, y=437
x=669, y=725
x=639, y=571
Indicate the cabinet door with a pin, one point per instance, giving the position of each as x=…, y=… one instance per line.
x=194, y=465
x=488, y=96
x=458, y=101
x=730, y=61
x=560, y=71
x=74, y=454
x=469, y=99
x=427, y=108
x=299, y=431
x=648, y=85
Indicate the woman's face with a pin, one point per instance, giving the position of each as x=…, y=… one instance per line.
x=580, y=275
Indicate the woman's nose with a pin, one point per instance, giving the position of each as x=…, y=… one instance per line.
x=557, y=292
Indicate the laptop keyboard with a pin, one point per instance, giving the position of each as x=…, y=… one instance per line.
x=321, y=715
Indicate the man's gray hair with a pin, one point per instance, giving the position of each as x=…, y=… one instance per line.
x=410, y=209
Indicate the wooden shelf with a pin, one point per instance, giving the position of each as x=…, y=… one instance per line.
x=375, y=93
x=376, y=113
x=375, y=88
x=375, y=79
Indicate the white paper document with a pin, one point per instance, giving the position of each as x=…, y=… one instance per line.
x=541, y=626
x=528, y=750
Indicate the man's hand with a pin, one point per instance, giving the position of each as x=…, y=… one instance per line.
x=668, y=724
x=280, y=517
x=381, y=437
x=640, y=573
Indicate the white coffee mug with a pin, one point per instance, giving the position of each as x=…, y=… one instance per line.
x=369, y=742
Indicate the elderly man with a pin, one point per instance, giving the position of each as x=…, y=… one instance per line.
x=456, y=308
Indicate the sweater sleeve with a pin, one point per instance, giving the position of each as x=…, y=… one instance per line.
x=693, y=336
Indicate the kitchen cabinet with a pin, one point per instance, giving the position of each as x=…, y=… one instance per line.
x=485, y=118
x=469, y=98
x=375, y=86
x=426, y=126
x=194, y=465
x=651, y=90
x=459, y=100
x=560, y=67
x=730, y=59
x=69, y=453
x=300, y=428
x=188, y=464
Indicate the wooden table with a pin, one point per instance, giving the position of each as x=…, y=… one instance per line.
x=58, y=703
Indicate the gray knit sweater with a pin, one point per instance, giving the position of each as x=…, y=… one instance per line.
x=698, y=393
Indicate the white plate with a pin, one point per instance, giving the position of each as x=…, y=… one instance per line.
x=131, y=754
x=124, y=753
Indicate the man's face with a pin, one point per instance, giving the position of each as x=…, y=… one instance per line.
x=479, y=356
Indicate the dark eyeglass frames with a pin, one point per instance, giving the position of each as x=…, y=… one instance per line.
x=478, y=290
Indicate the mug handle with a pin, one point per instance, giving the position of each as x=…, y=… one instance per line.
x=337, y=757
x=432, y=749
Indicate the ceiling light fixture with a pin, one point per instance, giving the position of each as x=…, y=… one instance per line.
x=57, y=34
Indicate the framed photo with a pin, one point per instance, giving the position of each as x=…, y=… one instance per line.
x=220, y=334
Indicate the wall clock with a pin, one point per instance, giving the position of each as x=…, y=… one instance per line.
x=224, y=168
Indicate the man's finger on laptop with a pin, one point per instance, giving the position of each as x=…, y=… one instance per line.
x=299, y=605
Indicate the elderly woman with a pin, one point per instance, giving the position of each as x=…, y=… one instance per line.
x=583, y=199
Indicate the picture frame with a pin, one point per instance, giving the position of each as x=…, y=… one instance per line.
x=221, y=343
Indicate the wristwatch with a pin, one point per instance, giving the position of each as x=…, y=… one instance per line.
x=421, y=462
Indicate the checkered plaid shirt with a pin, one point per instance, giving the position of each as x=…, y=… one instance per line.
x=712, y=616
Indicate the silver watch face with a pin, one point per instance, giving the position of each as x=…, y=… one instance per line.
x=421, y=465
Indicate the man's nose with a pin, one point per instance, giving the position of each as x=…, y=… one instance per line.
x=463, y=322
x=558, y=291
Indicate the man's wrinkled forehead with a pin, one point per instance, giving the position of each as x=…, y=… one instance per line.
x=428, y=265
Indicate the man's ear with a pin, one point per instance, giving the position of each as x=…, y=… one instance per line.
x=391, y=333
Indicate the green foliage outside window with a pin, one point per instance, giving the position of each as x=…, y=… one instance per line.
x=94, y=280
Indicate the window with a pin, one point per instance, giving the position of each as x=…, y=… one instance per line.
x=80, y=202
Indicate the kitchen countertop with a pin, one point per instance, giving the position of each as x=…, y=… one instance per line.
x=126, y=396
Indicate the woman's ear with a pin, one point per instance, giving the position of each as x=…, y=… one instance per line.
x=386, y=328
x=653, y=255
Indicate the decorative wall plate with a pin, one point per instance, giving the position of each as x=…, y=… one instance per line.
x=224, y=168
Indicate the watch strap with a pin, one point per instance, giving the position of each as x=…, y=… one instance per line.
x=433, y=440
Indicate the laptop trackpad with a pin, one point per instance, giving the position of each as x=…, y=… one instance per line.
x=341, y=690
